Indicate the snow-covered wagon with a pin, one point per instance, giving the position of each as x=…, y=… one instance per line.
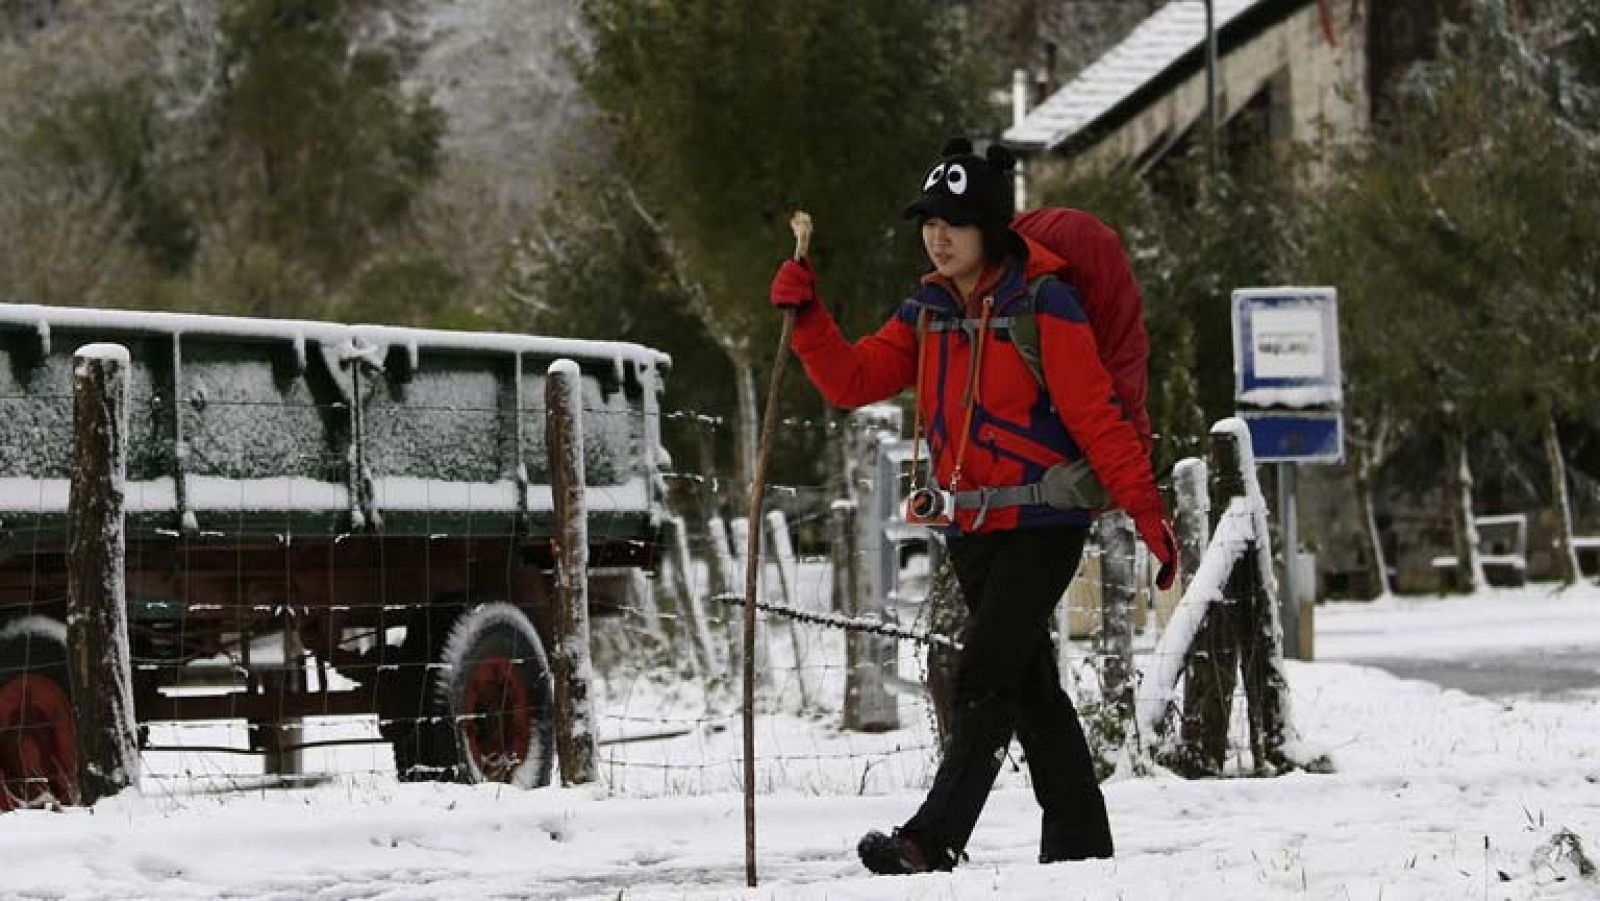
x=322, y=519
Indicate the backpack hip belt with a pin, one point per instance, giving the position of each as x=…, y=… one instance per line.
x=1065, y=486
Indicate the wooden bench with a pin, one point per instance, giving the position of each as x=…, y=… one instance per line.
x=1502, y=548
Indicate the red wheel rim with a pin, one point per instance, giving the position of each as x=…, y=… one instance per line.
x=38, y=744
x=497, y=723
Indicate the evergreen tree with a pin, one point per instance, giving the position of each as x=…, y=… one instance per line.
x=86, y=196
x=318, y=154
x=1465, y=258
x=589, y=266
x=726, y=114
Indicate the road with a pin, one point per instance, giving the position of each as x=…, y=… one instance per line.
x=1547, y=674
x=1530, y=643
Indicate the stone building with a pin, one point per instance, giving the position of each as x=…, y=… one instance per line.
x=1292, y=71
x=1302, y=65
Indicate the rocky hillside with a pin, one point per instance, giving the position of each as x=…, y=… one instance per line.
x=498, y=70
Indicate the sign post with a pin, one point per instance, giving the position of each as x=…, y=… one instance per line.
x=1287, y=384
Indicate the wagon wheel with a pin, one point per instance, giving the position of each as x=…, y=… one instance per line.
x=488, y=705
x=38, y=736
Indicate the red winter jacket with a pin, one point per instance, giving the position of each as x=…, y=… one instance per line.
x=1017, y=430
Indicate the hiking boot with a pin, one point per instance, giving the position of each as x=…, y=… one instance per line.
x=899, y=855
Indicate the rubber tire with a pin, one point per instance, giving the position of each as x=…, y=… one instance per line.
x=492, y=644
x=36, y=647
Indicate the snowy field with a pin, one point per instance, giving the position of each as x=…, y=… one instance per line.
x=1439, y=794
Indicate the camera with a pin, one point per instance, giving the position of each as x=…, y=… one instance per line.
x=930, y=507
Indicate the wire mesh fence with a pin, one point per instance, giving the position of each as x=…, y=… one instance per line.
x=297, y=616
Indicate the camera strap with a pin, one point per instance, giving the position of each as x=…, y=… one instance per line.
x=916, y=404
x=969, y=394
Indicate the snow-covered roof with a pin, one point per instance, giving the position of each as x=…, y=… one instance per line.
x=1157, y=45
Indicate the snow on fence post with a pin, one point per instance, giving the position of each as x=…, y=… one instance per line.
x=739, y=532
x=789, y=583
x=1193, y=515
x=1116, y=536
x=718, y=529
x=739, y=539
x=576, y=744
x=1226, y=623
x=1211, y=672
x=97, y=613
x=672, y=592
x=643, y=606
x=1266, y=684
x=723, y=580
x=783, y=553
x=690, y=604
x=868, y=704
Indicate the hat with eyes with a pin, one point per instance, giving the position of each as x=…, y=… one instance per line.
x=963, y=188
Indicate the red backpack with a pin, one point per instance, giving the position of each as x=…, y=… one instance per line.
x=1098, y=269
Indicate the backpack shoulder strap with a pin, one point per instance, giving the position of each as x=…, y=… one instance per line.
x=1022, y=324
x=1025, y=329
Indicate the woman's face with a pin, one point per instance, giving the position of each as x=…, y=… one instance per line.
x=955, y=250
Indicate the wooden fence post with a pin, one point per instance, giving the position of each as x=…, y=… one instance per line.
x=1211, y=673
x=677, y=649
x=576, y=740
x=694, y=624
x=869, y=706
x=947, y=614
x=1260, y=636
x=97, y=613
x=717, y=534
x=722, y=580
x=1193, y=505
x=1117, y=591
x=782, y=545
x=643, y=609
x=1193, y=515
x=281, y=755
x=739, y=535
x=1241, y=634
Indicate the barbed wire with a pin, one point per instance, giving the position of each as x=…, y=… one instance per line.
x=859, y=624
x=661, y=708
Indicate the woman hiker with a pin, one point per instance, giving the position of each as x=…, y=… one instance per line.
x=995, y=430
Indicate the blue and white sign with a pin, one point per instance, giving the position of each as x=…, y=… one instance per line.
x=1287, y=378
x=1297, y=437
x=1286, y=347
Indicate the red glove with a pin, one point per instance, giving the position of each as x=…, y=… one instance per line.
x=1163, y=545
x=794, y=286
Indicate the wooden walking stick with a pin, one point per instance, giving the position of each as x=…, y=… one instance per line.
x=801, y=224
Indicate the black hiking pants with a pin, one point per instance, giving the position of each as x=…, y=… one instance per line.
x=1007, y=684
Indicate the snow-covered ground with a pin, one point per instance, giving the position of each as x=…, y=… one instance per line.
x=1439, y=794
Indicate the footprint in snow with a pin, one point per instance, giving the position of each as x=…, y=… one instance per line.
x=152, y=866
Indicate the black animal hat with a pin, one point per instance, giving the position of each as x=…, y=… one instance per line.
x=963, y=188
